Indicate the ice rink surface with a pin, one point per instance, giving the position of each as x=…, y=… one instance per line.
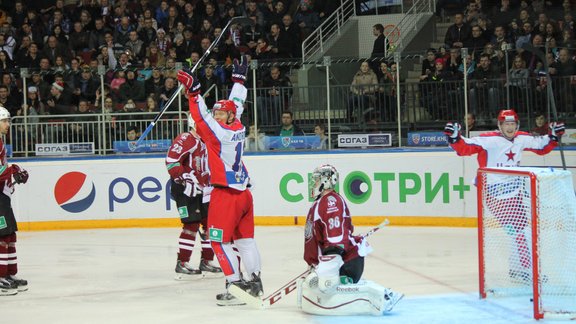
x=126, y=276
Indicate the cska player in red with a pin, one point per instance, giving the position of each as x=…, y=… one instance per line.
x=504, y=148
x=187, y=164
x=334, y=287
x=9, y=283
x=231, y=213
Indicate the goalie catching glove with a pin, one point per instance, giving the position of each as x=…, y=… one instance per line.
x=240, y=70
x=452, y=132
x=191, y=84
x=557, y=129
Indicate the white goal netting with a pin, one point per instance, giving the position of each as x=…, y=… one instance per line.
x=527, y=237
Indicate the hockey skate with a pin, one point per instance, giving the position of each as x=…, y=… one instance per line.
x=185, y=272
x=21, y=284
x=256, y=287
x=209, y=270
x=7, y=288
x=391, y=298
x=227, y=299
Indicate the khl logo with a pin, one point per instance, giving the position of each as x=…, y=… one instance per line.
x=74, y=193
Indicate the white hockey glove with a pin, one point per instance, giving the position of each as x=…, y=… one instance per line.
x=206, y=194
x=452, y=132
x=192, y=189
x=364, y=248
x=190, y=183
x=328, y=271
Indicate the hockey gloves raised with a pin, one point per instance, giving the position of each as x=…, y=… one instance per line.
x=452, y=131
x=191, y=84
x=240, y=70
x=557, y=129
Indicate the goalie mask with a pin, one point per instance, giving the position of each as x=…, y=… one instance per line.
x=505, y=117
x=324, y=177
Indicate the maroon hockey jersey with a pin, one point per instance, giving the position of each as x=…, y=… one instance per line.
x=329, y=224
x=188, y=156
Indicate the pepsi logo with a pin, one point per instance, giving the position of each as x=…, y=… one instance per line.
x=74, y=192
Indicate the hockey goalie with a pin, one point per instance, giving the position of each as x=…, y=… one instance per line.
x=336, y=257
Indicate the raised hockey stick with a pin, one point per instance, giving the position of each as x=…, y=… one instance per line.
x=234, y=21
x=273, y=298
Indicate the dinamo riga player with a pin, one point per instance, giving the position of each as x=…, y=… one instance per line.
x=504, y=148
x=187, y=165
x=337, y=258
x=231, y=215
x=9, y=283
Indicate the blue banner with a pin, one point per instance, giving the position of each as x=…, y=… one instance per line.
x=427, y=139
x=146, y=146
x=291, y=142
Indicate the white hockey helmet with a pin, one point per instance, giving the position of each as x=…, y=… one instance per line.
x=324, y=177
x=191, y=123
x=4, y=113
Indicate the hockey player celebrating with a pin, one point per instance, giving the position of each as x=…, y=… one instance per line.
x=187, y=165
x=337, y=257
x=231, y=215
x=9, y=283
x=504, y=148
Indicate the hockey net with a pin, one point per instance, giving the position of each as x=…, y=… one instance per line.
x=527, y=237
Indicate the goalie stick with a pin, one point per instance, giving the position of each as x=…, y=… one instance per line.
x=273, y=298
x=234, y=21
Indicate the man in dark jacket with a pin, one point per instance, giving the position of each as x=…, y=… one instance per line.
x=458, y=33
x=276, y=91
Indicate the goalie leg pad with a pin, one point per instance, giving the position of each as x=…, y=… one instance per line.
x=363, y=298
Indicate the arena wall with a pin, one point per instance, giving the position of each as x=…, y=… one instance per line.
x=431, y=187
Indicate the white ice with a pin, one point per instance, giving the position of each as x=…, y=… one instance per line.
x=126, y=276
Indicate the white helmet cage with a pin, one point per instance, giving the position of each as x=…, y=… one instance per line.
x=4, y=113
x=324, y=177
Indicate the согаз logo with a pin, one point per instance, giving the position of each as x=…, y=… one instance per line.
x=74, y=193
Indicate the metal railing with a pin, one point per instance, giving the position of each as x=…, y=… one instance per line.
x=315, y=42
x=410, y=25
x=431, y=105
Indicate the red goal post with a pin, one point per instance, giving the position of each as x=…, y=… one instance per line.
x=527, y=238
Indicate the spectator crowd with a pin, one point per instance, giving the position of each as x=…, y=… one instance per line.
x=140, y=43
x=513, y=46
